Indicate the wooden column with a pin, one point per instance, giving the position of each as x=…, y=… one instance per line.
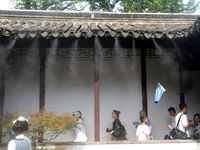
x=143, y=78
x=182, y=96
x=2, y=89
x=96, y=92
x=42, y=77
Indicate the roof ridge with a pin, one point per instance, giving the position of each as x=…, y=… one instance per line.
x=75, y=14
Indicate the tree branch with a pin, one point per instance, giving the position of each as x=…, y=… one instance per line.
x=66, y=6
x=81, y=8
x=139, y=6
x=109, y=7
x=35, y=6
x=55, y=135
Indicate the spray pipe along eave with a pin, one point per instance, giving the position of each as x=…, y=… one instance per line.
x=153, y=36
x=13, y=36
x=175, y=36
x=118, y=34
x=95, y=34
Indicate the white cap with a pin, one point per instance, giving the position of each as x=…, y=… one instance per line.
x=20, y=118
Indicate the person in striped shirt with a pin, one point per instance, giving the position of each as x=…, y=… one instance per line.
x=21, y=142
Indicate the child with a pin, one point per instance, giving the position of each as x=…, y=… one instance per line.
x=12, y=136
x=20, y=142
x=142, y=132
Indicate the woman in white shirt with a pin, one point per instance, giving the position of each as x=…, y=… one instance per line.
x=80, y=131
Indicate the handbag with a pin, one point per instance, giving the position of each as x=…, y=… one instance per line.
x=178, y=134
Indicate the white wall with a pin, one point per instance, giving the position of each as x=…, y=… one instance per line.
x=165, y=71
x=70, y=87
x=120, y=89
x=21, y=86
x=192, y=90
x=71, y=83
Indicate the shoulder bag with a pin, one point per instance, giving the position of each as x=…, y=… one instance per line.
x=178, y=134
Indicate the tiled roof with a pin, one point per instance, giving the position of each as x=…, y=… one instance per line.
x=65, y=24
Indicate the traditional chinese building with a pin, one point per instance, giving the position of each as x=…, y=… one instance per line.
x=97, y=62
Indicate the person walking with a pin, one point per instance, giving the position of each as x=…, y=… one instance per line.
x=172, y=112
x=118, y=131
x=142, y=132
x=143, y=113
x=184, y=125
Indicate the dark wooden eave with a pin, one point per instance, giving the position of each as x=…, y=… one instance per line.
x=28, y=23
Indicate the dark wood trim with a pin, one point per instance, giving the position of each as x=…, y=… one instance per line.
x=96, y=93
x=2, y=90
x=143, y=80
x=42, y=78
x=42, y=75
x=182, y=95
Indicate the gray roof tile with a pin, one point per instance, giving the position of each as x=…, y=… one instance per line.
x=101, y=24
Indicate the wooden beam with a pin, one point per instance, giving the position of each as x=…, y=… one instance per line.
x=96, y=91
x=143, y=80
